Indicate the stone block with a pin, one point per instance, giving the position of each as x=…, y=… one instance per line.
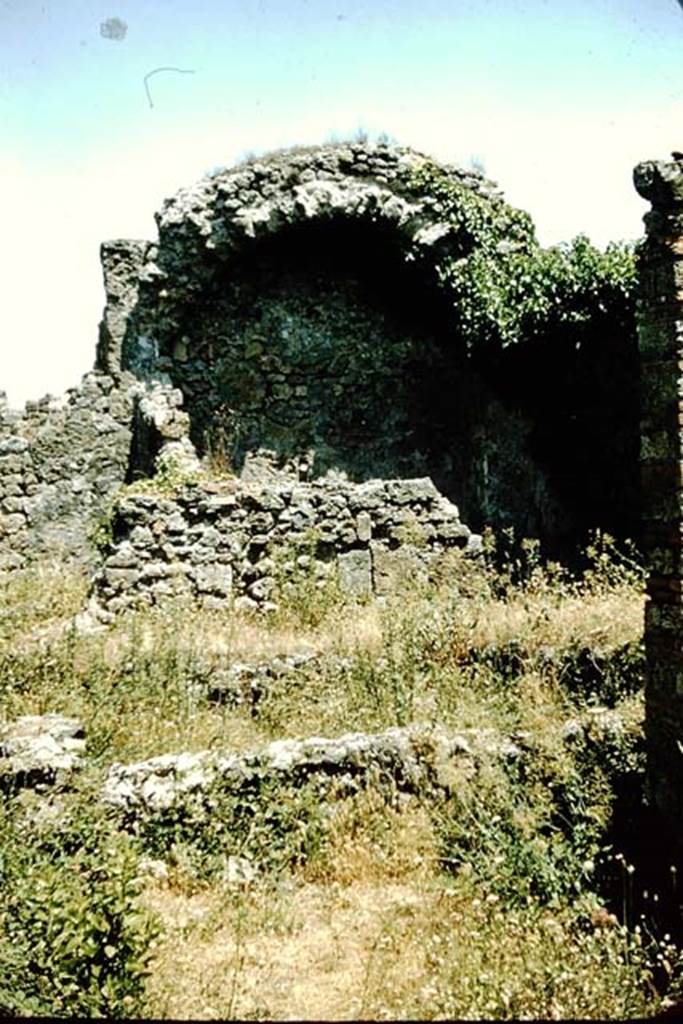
x=355, y=572
x=364, y=527
x=120, y=578
x=175, y=523
x=13, y=504
x=454, y=533
x=370, y=495
x=124, y=557
x=392, y=569
x=13, y=445
x=141, y=537
x=404, y=492
x=262, y=588
x=37, y=749
x=11, y=463
x=214, y=579
x=12, y=523
x=162, y=570
x=347, y=535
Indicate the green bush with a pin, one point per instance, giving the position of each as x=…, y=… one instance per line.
x=535, y=830
x=506, y=289
x=73, y=940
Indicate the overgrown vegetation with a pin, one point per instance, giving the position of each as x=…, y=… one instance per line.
x=479, y=895
x=75, y=940
x=507, y=290
x=552, y=332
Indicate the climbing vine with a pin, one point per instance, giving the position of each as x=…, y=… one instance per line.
x=482, y=222
x=518, y=296
x=505, y=288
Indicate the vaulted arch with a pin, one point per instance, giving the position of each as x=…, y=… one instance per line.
x=298, y=302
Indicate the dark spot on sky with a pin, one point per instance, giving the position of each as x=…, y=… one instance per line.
x=113, y=28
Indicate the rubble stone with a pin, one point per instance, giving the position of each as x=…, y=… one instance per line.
x=38, y=750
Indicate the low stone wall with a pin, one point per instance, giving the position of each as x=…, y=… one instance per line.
x=60, y=461
x=220, y=543
x=410, y=757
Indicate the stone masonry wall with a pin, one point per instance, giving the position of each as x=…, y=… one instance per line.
x=308, y=321
x=155, y=290
x=294, y=304
x=231, y=541
x=661, y=351
x=60, y=461
x=296, y=301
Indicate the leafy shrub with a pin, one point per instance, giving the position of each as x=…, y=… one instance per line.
x=533, y=830
x=74, y=941
x=506, y=837
x=518, y=296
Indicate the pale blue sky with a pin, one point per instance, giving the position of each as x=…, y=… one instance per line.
x=559, y=98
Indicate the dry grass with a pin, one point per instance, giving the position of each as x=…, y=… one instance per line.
x=409, y=907
x=607, y=618
x=249, y=637
x=413, y=658
x=397, y=949
x=316, y=961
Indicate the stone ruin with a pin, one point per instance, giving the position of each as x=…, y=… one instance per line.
x=219, y=543
x=296, y=304
x=661, y=350
x=290, y=324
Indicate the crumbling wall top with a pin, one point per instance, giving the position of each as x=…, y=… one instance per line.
x=660, y=181
x=152, y=287
x=308, y=176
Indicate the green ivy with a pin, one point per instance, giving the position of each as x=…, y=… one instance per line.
x=505, y=289
x=478, y=221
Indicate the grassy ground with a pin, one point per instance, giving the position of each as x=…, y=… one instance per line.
x=487, y=900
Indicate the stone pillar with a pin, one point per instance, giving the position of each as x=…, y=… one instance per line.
x=660, y=333
x=122, y=265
